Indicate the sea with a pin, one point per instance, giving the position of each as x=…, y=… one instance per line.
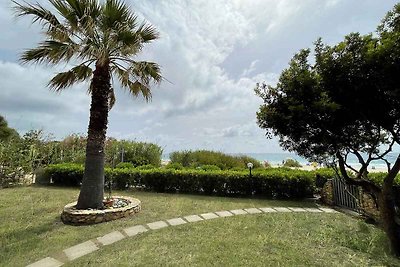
x=276, y=159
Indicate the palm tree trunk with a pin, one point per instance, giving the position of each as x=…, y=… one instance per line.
x=92, y=190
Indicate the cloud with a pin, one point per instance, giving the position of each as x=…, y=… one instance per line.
x=212, y=52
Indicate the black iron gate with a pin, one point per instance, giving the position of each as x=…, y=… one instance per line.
x=345, y=195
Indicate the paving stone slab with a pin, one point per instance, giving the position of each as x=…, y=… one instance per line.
x=111, y=238
x=193, y=218
x=134, y=230
x=209, y=216
x=80, y=250
x=267, y=210
x=297, y=209
x=176, y=221
x=281, y=209
x=238, y=212
x=313, y=210
x=328, y=210
x=46, y=262
x=253, y=210
x=223, y=213
x=157, y=225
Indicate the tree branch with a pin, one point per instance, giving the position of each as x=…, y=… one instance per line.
x=367, y=185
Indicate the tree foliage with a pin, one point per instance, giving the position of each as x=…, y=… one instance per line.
x=6, y=132
x=345, y=101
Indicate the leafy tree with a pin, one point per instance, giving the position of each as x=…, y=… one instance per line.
x=346, y=102
x=100, y=38
x=6, y=132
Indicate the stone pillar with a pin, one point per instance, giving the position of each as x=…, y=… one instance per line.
x=327, y=193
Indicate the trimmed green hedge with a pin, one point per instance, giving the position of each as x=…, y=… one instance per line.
x=272, y=183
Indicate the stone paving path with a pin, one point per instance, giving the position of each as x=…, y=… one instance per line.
x=82, y=249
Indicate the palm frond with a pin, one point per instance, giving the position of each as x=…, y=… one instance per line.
x=51, y=52
x=111, y=99
x=147, y=32
x=77, y=13
x=134, y=87
x=93, y=31
x=125, y=43
x=115, y=13
x=147, y=71
x=39, y=13
x=137, y=88
x=65, y=79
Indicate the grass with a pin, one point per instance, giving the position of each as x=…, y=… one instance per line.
x=30, y=229
x=256, y=240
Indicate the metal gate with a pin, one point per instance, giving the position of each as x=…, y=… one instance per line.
x=345, y=195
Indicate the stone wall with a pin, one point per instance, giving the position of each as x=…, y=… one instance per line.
x=71, y=215
x=327, y=193
x=368, y=206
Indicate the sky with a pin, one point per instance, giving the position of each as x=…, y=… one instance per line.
x=211, y=52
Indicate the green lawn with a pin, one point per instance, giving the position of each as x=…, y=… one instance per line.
x=30, y=229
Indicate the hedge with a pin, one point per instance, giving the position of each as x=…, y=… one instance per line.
x=271, y=183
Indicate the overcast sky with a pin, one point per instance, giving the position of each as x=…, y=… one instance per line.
x=212, y=51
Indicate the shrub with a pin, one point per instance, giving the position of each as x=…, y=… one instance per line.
x=146, y=167
x=291, y=163
x=204, y=157
x=322, y=175
x=174, y=166
x=124, y=165
x=42, y=177
x=209, y=168
x=66, y=174
x=137, y=153
x=273, y=183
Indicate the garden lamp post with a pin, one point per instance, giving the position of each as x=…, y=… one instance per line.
x=250, y=166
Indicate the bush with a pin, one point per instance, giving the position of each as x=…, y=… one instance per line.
x=137, y=153
x=272, y=183
x=204, y=157
x=291, y=163
x=146, y=167
x=174, y=166
x=124, y=165
x=66, y=174
x=42, y=177
x=209, y=168
x=322, y=175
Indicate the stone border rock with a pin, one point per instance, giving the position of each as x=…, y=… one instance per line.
x=82, y=249
x=73, y=216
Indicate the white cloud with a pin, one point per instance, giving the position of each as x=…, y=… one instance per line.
x=213, y=52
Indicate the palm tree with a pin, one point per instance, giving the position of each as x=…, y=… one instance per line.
x=100, y=39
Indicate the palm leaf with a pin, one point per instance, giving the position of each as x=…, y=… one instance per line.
x=94, y=31
x=66, y=79
x=137, y=88
x=50, y=51
x=134, y=87
x=39, y=13
x=111, y=99
x=115, y=13
x=147, y=71
x=148, y=33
